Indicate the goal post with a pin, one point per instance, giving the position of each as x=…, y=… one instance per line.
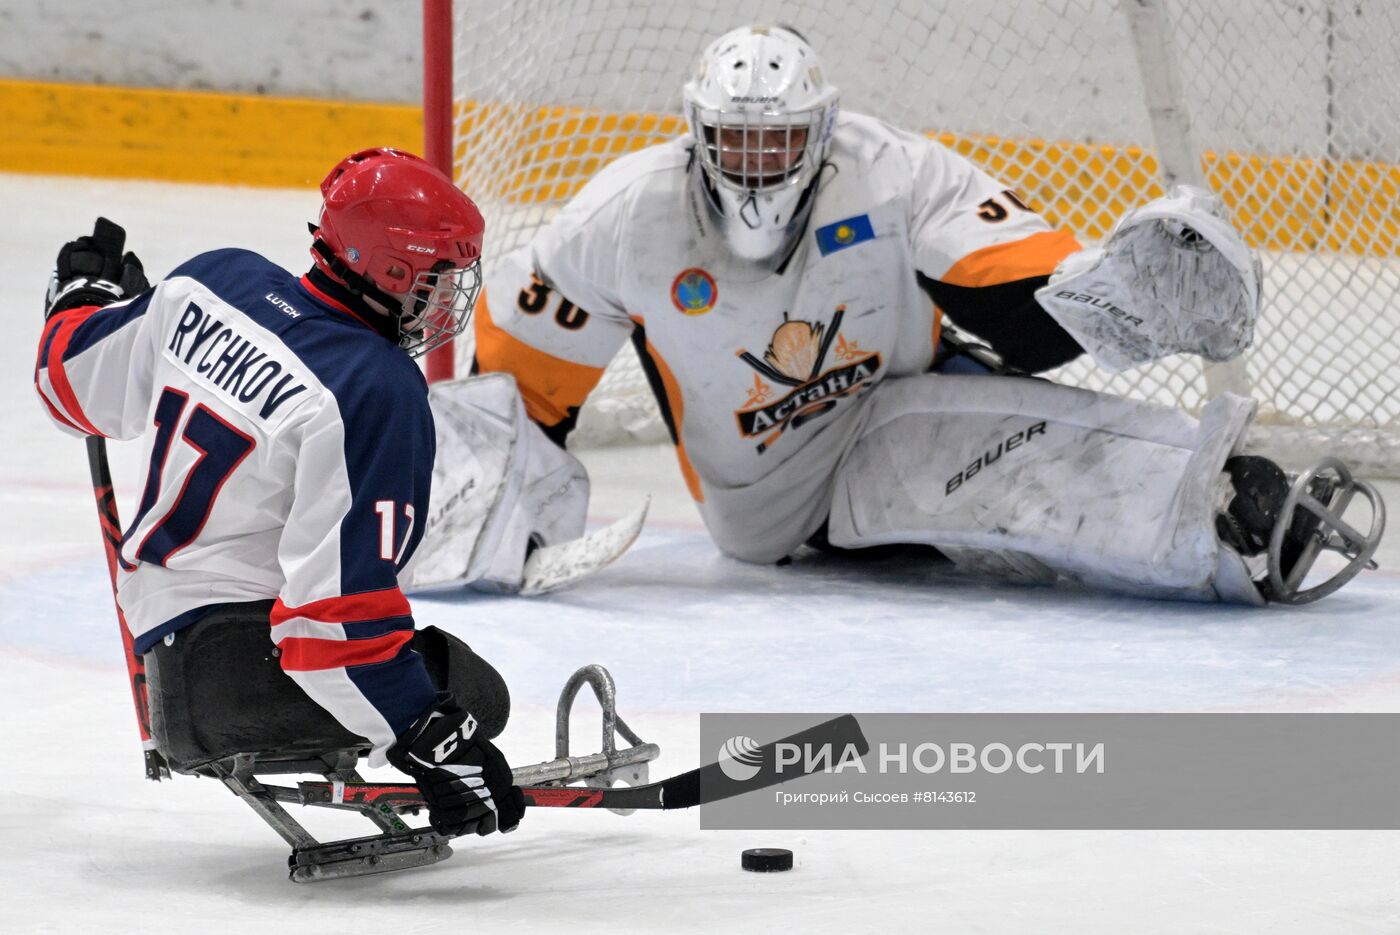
x=1289, y=111
x=438, y=131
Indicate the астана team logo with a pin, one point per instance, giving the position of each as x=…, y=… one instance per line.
x=795, y=357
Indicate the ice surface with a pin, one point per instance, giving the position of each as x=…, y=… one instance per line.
x=90, y=847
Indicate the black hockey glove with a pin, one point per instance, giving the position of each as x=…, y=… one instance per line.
x=464, y=779
x=92, y=271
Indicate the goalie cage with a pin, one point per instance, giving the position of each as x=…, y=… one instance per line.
x=1086, y=107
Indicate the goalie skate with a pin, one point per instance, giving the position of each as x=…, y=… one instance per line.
x=1290, y=524
x=1311, y=521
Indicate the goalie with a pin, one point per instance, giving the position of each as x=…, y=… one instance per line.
x=798, y=283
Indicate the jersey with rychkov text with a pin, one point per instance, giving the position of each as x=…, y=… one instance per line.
x=288, y=454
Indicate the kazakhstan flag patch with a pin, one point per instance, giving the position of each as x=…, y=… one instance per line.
x=844, y=234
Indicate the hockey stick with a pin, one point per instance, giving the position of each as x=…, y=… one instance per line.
x=684, y=790
x=551, y=567
x=111, y=526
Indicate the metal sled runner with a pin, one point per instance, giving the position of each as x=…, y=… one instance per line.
x=398, y=846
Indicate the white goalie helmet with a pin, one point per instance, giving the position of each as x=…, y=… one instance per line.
x=761, y=112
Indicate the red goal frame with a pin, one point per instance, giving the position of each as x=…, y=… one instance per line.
x=437, y=132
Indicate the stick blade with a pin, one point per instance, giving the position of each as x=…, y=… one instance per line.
x=710, y=783
x=555, y=566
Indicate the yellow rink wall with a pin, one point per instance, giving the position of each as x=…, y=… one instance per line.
x=190, y=136
x=1282, y=202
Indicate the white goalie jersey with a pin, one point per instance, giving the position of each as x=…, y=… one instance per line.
x=755, y=369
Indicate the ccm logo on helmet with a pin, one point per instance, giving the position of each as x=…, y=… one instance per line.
x=417, y=249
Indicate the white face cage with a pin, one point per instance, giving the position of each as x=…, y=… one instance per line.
x=438, y=307
x=763, y=152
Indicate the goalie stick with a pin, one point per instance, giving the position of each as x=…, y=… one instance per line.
x=110, y=523
x=699, y=786
x=552, y=567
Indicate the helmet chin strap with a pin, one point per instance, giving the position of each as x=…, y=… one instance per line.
x=359, y=286
x=749, y=213
x=749, y=220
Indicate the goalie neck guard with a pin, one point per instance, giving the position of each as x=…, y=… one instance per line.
x=761, y=115
x=403, y=238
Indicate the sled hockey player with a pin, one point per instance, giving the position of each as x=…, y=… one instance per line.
x=290, y=446
x=800, y=283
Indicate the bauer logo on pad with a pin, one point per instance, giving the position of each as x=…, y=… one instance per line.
x=844, y=234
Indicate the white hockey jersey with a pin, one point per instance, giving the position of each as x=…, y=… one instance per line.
x=754, y=369
x=290, y=450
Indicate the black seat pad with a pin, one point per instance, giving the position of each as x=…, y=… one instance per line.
x=218, y=690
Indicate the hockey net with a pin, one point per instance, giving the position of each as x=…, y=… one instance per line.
x=1290, y=111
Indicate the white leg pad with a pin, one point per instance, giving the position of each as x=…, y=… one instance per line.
x=1043, y=481
x=498, y=482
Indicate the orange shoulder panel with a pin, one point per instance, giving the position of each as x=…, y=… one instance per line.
x=550, y=385
x=1036, y=255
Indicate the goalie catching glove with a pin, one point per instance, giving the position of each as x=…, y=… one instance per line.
x=1173, y=278
x=93, y=271
x=464, y=779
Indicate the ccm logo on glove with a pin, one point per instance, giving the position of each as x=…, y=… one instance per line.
x=449, y=743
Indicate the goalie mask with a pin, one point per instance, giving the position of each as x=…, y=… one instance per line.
x=761, y=114
x=399, y=234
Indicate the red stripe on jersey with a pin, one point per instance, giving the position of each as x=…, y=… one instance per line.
x=52, y=324
x=39, y=364
x=68, y=322
x=937, y=331
x=59, y=416
x=350, y=608
x=306, y=654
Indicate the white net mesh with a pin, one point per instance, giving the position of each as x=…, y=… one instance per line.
x=1294, y=112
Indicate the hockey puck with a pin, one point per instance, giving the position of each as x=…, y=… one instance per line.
x=766, y=859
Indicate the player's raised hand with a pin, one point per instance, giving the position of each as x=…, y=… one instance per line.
x=93, y=271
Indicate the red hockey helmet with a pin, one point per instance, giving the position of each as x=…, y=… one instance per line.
x=398, y=232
